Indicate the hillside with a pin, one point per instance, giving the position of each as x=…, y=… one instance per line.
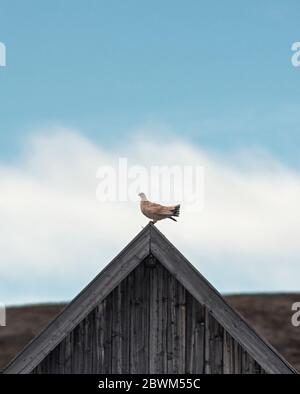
x=270, y=315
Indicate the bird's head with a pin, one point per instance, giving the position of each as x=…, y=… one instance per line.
x=143, y=196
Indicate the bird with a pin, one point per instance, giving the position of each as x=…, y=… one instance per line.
x=156, y=211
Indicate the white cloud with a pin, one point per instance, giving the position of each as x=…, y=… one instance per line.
x=56, y=236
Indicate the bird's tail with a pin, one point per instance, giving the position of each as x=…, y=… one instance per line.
x=176, y=210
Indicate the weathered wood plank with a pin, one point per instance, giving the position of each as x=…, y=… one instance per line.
x=216, y=346
x=237, y=358
x=195, y=334
x=161, y=320
x=164, y=305
x=100, y=328
x=227, y=353
x=154, y=330
x=146, y=316
x=180, y=337
x=139, y=320
x=68, y=355
x=125, y=322
x=108, y=335
x=207, y=356
x=171, y=321
x=116, y=331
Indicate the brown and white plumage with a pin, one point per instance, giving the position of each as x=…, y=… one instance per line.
x=156, y=211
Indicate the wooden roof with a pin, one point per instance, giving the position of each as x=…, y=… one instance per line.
x=150, y=241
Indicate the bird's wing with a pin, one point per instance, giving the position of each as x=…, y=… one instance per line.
x=159, y=209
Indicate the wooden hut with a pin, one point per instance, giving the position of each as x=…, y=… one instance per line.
x=149, y=311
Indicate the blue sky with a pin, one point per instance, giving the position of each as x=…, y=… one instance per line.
x=218, y=73
x=90, y=77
